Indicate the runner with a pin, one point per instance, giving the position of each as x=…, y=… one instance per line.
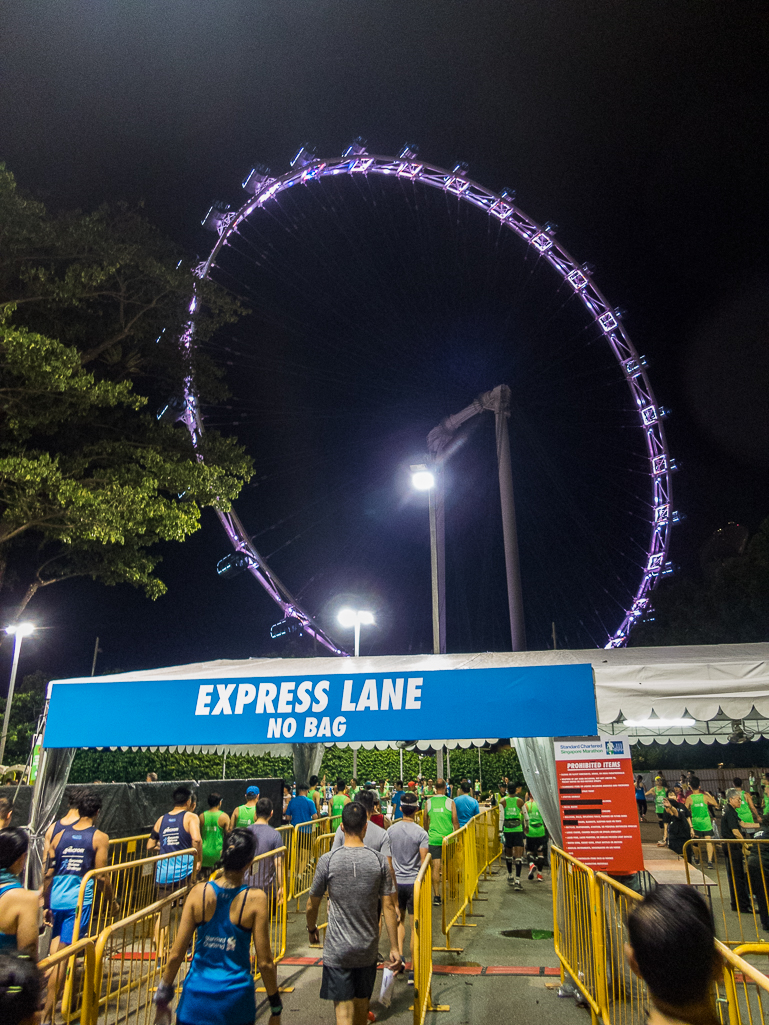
x=71, y=817
x=21, y=987
x=244, y=814
x=224, y=917
x=18, y=907
x=440, y=819
x=467, y=806
x=353, y=788
x=376, y=838
x=267, y=839
x=397, y=797
x=747, y=810
x=640, y=797
x=699, y=805
x=314, y=794
x=659, y=793
x=409, y=844
x=76, y=850
x=178, y=830
x=536, y=838
x=301, y=809
x=356, y=878
x=214, y=823
x=512, y=832
x=338, y=801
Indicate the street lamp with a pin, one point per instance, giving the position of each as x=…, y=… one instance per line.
x=424, y=479
x=355, y=618
x=18, y=632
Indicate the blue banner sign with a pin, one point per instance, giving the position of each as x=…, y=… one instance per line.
x=456, y=704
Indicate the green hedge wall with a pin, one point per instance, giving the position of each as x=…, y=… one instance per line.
x=133, y=766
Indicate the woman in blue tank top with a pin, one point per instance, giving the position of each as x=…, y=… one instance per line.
x=18, y=907
x=223, y=916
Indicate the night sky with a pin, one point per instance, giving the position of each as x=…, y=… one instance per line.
x=639, y=129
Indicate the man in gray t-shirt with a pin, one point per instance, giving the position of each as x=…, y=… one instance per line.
x=409, y=844
x=356, y=879
x=262, y=875
x=376, y=839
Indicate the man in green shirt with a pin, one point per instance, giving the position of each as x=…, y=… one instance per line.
x=699, y=804
x=338, y=801
x=440, y=819
x=536, y=837
x=511, y=813
x=213, y=826
x=245, y=814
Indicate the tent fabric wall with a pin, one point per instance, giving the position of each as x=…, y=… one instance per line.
x=537, y=758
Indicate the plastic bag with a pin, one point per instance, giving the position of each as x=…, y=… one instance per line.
x=386, y=989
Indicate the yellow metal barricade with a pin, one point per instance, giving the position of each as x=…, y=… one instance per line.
x=419, y=817
x=734, y=876
x=457, y=882
x=287, y=835
x=127, y=848
x=742, y=996
x=335, y=822
x=304, y=856
x=268, y=872
x=622, y=996
x=578, y=928
x=130, y=959
x=422, y=945
x=133, y=886
x=76, y=959
x=479, y=827
x=495, y=843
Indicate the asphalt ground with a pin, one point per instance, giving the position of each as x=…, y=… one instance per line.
x=495, y=977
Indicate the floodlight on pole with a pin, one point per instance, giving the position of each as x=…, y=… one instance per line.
x=355, y=618
x=424, y=479
x=19, y=631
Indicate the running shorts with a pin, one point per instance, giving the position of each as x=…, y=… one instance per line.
x=536, y=844
x=347, y=983
x=406, y=897
x=64, y=923
x=514, y=838
x=702, y=832
x=435, y=850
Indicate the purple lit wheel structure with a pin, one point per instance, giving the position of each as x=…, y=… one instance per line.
x=305, y=168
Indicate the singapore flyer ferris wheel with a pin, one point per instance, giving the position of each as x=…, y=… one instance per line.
x=458, y=285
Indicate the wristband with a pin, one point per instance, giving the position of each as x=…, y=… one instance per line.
x=164, y=994
x=276, y=1004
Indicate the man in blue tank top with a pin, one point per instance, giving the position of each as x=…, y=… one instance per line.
x=178, y=830
x=76, y=849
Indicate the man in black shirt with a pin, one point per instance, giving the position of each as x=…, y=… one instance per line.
x=735, y=860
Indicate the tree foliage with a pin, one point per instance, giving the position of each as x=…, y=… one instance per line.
x=28, y=703
x=92, y=310
x=730, y=605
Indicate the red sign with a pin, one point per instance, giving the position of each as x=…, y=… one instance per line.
x=599, y=814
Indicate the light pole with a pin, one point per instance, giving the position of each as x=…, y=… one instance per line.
x=18, y=632
x=424, y=479
x=355, y=618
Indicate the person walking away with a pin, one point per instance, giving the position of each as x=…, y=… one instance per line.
x=672, y=926
x=699, y=805
x=338, y=801
x=677, y=822
x=224, y=917
x=356, y=879
x=69, y=819
x=376, y=838
x=245, y=814
x=731, y=829
x=268, y=873
x=640, y=798
x=440, y=819
x=287, y=795
x=314, y=794
x=18, y=907
x=536, y=838
x=76, y=850
x=758, y=871
x=409, y=844
x=746, y=811
x=658, y=793
x=301, y=812
x=377, y=816
x=214, y=823
x=396, y=799
x=177, y=830
x=467, y=806
x=511, y=808
x=21, y=987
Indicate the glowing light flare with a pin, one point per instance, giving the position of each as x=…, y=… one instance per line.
x=423, y=480
x=20, y=629
x=352, y=617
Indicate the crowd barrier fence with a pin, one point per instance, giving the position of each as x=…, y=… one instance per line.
x=128, y=848
x=304, y=855
x=456, y=886
x=76, y=958
x=736, y=883
x=577, y=927
x=287, y=835
x=422, y=943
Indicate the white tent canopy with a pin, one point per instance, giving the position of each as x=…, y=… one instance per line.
x=709, y=684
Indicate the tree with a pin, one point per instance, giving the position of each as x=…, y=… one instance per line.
x=730, y=605
x=28, y=704
x=92, y=311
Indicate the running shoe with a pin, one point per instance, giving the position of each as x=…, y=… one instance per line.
x=517, y=885
x=436, y=901
x=532, y=870
x=410, y=980
x=510, y=879
x=540, y=877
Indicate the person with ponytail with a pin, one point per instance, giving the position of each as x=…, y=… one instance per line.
x=223, y=916
x=672, y=927
x=18, y=907
x=20, y=989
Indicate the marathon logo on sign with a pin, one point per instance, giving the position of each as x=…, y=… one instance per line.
x=204, y=706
